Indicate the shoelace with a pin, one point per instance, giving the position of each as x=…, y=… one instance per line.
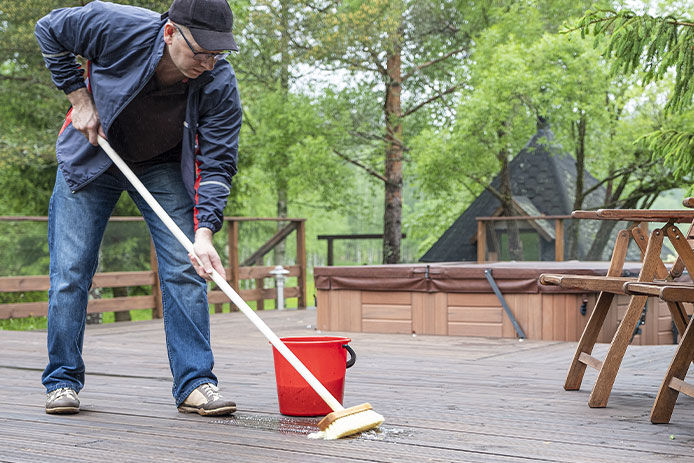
x=211, y=392
x=58, y=393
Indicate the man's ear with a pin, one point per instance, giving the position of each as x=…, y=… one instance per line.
x=169, y=31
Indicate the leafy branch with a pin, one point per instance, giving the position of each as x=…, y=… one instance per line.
x=653, y=46
x=439, y=95
x=361, y=165
x=677, y=148
x=648, y=44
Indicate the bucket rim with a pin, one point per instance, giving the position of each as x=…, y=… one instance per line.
x=315, y=339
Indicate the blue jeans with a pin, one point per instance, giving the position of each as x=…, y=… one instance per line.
x=76, y=223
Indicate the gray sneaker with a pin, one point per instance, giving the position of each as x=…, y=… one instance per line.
x=206, y=400
x=62, y=401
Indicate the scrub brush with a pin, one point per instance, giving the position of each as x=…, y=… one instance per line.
x=342, y=421
x=348, y=421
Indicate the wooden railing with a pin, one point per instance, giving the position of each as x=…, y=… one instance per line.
x=249, y=269
x=558, y=233
x=331, y=238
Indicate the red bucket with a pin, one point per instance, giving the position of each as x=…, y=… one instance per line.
x=326, y=358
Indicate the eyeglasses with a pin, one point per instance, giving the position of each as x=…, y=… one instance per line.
x=202, y=55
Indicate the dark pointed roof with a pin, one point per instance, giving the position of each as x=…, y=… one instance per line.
x=541, y=172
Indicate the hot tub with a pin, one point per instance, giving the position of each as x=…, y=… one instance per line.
x=456, y=299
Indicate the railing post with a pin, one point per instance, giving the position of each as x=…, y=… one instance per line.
x=219, y=306
x=233, y=258
x=158, y=310
x=559, y=240
x=260, y=285
x=481, y=241
x=301, y=261
x=234, y=254
x=330, y=252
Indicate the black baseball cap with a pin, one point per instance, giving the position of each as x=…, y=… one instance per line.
x=209, y=21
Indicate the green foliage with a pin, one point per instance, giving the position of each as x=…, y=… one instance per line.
x=675, y=143
x=654, y=47
x=286, y=139
x=651, y=45
x=24, y=324
x=556, y=77
x=514, y=80
x=312, y=76
x=267, y=32
x=23, y=249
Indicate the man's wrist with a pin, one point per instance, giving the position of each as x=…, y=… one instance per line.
x=80, y=98
x=76, y=85
x=203, y=232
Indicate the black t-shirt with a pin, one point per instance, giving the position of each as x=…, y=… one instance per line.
x=150, y=129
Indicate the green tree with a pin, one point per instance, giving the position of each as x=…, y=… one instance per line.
x=519, y=75
x=284, y=137
x=517, y=79
x=410, y=52
x=653, y=47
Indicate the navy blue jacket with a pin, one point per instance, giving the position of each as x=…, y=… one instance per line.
x=124, y=45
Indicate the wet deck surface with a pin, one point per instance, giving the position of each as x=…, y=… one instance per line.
x=445, y=399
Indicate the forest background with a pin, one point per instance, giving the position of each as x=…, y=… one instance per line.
x=390, y=116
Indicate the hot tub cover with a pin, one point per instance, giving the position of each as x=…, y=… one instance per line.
x=458, y=277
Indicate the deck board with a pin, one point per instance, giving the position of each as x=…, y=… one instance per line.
x=446, y=399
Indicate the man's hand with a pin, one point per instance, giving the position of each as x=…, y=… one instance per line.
x=207, y=254
x=85, y=117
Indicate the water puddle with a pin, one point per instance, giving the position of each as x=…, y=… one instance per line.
x=385, y=433
x=282, y=424
x=303, y=426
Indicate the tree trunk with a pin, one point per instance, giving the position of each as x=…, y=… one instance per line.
x=612, y=194
x=279, y=251
x=282, y=187
x=600, y=240
x=580, y=139
x=284, y=40
x=392, y=217
x=607, y=226
x=515, y=245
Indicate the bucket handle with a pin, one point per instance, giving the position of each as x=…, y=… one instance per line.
x=352, y=356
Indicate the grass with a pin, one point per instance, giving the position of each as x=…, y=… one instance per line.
x=23, y=324
x=135, y=315
x=39, y=323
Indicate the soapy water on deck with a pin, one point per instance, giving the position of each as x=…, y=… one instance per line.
x=381, y=433
x=302, y=426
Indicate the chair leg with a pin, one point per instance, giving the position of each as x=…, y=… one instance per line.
x=597, y=317
x=679, y=315
x=615, y=354
x=620, y=341
x=667, y=396
x=588, y=339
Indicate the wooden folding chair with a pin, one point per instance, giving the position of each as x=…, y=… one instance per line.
x=673, y=293
x=612, y=284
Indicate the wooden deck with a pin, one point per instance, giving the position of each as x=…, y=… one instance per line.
x=446, y=399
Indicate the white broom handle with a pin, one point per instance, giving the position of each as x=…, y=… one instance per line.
x=223, y=285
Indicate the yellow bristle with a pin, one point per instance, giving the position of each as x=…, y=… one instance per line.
x=351, y=424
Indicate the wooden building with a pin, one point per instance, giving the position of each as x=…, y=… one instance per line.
x=543, y=183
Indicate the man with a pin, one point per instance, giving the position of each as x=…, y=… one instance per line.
x=159, y=89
